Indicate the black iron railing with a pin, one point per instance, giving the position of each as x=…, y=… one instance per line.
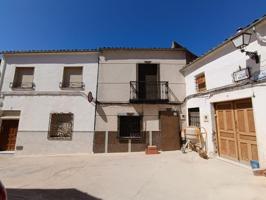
x=152, y=92
x=22, y=85
x=65, y=85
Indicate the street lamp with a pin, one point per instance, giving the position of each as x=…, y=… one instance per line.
x=241, y=41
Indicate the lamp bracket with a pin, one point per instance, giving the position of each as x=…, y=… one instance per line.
x=252, y=55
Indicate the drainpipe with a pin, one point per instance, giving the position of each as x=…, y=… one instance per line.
x=2, y=76
x=96, y=94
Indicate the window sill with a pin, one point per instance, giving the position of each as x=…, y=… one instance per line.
x=130, y=138
x=201, y=91
x=72, y=88
x=60, y=138
x=22, y=89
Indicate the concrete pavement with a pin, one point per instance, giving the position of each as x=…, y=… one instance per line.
x=134, y=176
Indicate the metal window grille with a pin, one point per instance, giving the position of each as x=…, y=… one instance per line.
x=194, y=117
x=61, y=126
x=130, y=126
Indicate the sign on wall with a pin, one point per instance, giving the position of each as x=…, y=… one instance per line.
x=241, y=74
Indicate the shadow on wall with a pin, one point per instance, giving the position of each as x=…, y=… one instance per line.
x=101, y=112
x=172, y=96
x=51, y=194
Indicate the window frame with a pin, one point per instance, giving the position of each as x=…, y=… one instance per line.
x=64, y=137
x=190, y=110
x=198, y=89
x=61, y=84
x=140, y=118
x=15, y=78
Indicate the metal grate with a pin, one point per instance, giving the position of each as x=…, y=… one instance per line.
x=141, y=91
x=194, y=117
x=61, y=126
x=130, y=126
x=22, y=85
x=71, y=85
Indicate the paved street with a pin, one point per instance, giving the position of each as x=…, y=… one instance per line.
x=134, y=176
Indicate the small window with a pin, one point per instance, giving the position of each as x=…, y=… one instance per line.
x=194, y=117
x=72, y=78
x=61, y=126
x=130, y=126
x=200, y=83
x=23, y=78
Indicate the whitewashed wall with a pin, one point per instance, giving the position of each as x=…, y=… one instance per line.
x=218, y=68
x=36, y=106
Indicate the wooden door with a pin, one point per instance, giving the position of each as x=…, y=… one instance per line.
x=170, y=132
x=236, y=130
x=8, y=135
x=226, y=130
x=245, y=129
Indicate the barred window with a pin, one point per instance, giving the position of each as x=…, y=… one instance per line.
x=61, y=126
x=130, y=126
x=200, y=82
x=194, y=117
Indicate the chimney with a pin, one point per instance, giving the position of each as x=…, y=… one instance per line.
x=175, y=45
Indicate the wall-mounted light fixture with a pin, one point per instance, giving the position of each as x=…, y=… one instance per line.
x=243, y=40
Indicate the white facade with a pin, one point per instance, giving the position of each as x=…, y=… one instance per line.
x=47, y=97
x=218, y=67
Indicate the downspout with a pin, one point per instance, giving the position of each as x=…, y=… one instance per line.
x=2, y=76
x=96, y=95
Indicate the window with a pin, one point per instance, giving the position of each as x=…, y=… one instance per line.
x=194, y=117
x=23, y=78
x=61, y=126
x=200, y=83
x=72, y=78
x=129, y=126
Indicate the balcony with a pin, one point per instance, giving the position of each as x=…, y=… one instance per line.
x=71, y=85
x=22, y=85
x=149, y=92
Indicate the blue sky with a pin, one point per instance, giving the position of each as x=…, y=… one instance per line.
x=58, y=24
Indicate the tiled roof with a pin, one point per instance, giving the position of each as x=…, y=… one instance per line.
x=48, y=51
x=178, y=47
x=226, y=41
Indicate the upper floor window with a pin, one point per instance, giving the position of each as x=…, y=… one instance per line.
x=200, y=82
x=72, y=78
x=23, y=78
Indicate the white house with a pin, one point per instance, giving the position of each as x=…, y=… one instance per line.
x=44, y=101
x=226, y=95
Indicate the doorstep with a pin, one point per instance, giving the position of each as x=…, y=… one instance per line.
x=233, y=162
x=7, y=153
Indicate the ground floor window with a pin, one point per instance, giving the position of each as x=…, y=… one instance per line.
x=129, y=126
x=194, y=117
x=61, y=126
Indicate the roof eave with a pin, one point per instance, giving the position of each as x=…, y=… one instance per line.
x=254, y=23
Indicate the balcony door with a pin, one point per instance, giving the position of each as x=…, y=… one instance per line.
x=148, y=82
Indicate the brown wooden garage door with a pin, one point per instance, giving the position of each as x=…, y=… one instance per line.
x=236, y=130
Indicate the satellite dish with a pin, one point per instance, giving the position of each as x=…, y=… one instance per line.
x=90, y=97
